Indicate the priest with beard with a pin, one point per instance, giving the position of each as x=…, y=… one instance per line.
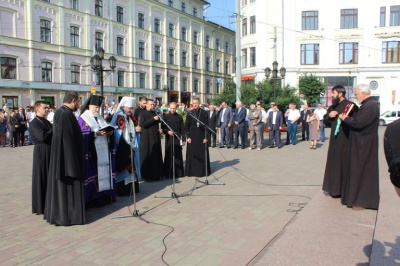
x=124, y=137
x=338, y=157
x=99, y=154
x=41, y=131
x=173, y=145
x=136, y=114
x=197, y=147
x=150, y=143
x=65, y=200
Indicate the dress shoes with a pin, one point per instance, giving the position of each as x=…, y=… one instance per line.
x=235, y=147
x=221, y=147
x=243, y=148
x=272, y=146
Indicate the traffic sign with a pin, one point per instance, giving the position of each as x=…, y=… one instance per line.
x=93, y=89
x=93, y=84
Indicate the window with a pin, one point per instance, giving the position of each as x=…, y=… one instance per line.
x=217, y=44
x=75, y=74
x=183, y=37
x=195, y=11
x=171, y=56
x=48, y=1
x=183, y=60
x=227, y=67
x=217, y=87
x=121, y=78
x=8, y=68
x=46, y=71
x=244, y=27
x=98, y=7
x=217, y=65
x=252, y=24
x=120, y=46
x=244, y=2
x=170, y=3
x=382, y=18
x=252, y=1
x=183, y=7
x=195, y=37
x=207, y=41
x=244, y=58
x=74, y=4
x=252, y=56
x=99, y=40
x=157, y=53
x=390, y=52
x=395, y=16
x=171, y=83
x=208, y=63
x=45, y=30
x=196, y=85
x=74, y=36
x=141, y=20
x=208, y=84
x=309, y=20
x=348, y=53
x=348, y=18
x=158, y=82
x=157, y=27
x=226, y=47
x=195, y=61
x=141, y=50
x=171, y=30
x=310, y=54
x=184, y=84
x=142, y=80
x=120, y=14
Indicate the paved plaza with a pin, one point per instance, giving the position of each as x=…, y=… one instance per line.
x=271, y=211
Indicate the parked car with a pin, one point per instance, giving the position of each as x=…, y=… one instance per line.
x=388, y=117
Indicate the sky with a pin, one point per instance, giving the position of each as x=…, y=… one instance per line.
x=221, y=12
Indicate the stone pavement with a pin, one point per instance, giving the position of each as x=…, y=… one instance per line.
x=271, y=211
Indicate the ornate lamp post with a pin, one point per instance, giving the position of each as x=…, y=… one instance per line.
x=274, y=71
x=97, y=65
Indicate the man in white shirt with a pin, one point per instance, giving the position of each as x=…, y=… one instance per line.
x=50, y=116
x=263, y=121
x=321, y=112
x=292, y=122
x=30, y=115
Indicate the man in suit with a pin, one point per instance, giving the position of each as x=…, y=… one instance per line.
x=275, y=122
x=240, y=125
x=22, y=126
x=212, y=123
x=224, y=123
x=305, y=131
x=255, y=121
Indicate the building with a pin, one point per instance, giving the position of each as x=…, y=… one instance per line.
x=344, y=42
x=164, y=49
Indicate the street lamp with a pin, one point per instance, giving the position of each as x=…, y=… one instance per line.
x=274, y=71
x=97, y=65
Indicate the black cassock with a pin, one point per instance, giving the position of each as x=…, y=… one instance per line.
x=361, y=184
x=150, y=147
x=337, y=162
x=175, y=121
x=195, y=153
x=392, y=151
x=41, y=131
x=65, y=201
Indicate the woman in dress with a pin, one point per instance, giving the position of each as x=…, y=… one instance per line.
x=313, y=122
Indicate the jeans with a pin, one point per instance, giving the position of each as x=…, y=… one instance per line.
x=292, y=130
x=321, y=130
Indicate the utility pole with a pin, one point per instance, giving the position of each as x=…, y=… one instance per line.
x=238, y=53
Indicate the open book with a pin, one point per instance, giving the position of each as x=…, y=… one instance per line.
x=108, y=128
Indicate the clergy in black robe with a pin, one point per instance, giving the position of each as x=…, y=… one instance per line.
x=337, y=162
x=150, y=144
x=65, y=201
x=175, y=122
x=197, y=135
x=361, y=184
x=392, y=152
x=42, y=132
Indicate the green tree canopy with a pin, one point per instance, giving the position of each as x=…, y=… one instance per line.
x=312, y=87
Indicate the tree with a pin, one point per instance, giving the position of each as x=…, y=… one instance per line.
x=312, y=87
x=228, y=94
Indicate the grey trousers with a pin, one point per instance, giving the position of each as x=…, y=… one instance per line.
x=255, y=136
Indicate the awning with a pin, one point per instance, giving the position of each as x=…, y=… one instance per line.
x=248, y=77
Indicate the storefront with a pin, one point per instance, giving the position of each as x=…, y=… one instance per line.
x=173, y=96
x=185, y=98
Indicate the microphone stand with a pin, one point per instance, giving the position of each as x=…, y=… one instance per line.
x=173, y=194
x=205, y=151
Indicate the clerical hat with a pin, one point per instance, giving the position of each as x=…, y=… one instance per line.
x=92, y=100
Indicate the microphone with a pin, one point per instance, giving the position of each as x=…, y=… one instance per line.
x=155, y=111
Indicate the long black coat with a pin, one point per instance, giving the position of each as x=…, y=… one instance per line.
x=65, y=201
x=392, y=151
x=337, y=162
x=42, y=132
x=361, y=186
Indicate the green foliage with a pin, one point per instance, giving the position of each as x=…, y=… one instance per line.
x=228, y=94
x=182, y=113
x=312, y=87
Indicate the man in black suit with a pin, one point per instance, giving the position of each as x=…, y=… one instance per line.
x=212, y=123
x=22, y=126
x=305, y=131
x=240, y=125
x=275, y=122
